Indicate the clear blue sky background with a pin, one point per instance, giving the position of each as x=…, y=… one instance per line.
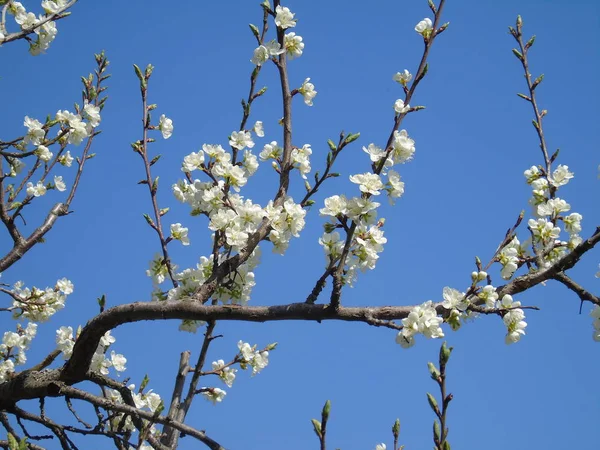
x=463, y=190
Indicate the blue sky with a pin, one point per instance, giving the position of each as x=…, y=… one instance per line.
x=464, y=188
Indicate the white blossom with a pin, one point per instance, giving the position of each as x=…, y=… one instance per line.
x=259, y=129
x=92, y=114
x=118, y=361
x=43, y=153
x=400, y=107
x=284, y=18
x=403, y=147
x=65, y=286
x=35, y=132
x=66, y=159
x=394, y=187
x=241, y=140
x=489, y=295
x=165, y=125
x=403, y=77
x=369, y=183
x=214, y=395
x=561, y=176
x=375, y=153
x=308, y=92
x=36, y=190
x=263, y=52
x=293, y=45
x=193, y=161
x=334, y=206
x=424, y=27
x=59, y=184
x=271, y=151
x=553, y=207
x=180, y=233
x=64, y=341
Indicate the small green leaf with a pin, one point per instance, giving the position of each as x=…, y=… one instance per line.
x=445, y=352
x=518, y=54
x=326, y=410
x=254, y=29
x=436, y=431
x=537, y=81
x=396, y=428
x=435, y=373
x=317, y=428
x=155, y=160
x=351, y=138
x=140, y=76
x=433, y=403
x=149, y=70
x=332, y=145
x=13, y=444
x=149, y=220
x=101, y=302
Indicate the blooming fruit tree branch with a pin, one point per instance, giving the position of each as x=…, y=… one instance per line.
x=541, y=246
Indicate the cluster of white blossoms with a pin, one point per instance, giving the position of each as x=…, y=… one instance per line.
x=38, y=305
x=247, y=357
x=514, y=319
x=367, y=241
x=142, y=400
x=65, y=341
x=293, y=47
x=423, y=319
x=13, y=347
x=73, y=129
x=44, y=28
x=100, y=362
x=235, y=289
x=232, y=217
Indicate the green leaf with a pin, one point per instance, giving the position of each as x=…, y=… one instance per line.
x=140, y=76
x=13, y=444
x=155, y=160
x=254, y=29
x=102, y=301
x=351, y=138
x=149, y=220
x=144, y=383
x=433, y=403
x=332, y=145
x=518, y=54
x=326, y=410
x=149, y=70
x=435, y=373
x=396, y=428
x=317, y=428
x=537, y=81
x=445, y=352
x=436, y=431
